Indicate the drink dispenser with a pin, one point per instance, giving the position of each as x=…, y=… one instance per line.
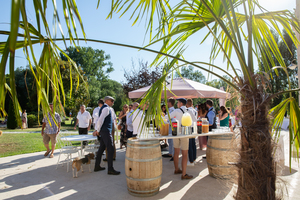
x=186, y=122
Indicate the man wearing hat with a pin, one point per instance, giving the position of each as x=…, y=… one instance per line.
x=104, y=127
x=182, y=143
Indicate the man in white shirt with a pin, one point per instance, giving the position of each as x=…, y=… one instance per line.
x=182, y=143
x=171, y=103
x=96, y=111
x=192, y=143
x=138, y=122
x=129, y=132
x=85, y=120
x=104, y=128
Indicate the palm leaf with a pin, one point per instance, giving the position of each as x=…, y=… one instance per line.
x=289, y=105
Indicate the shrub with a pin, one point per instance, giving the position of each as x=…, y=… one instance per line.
x=32, y=120
x=11, y=119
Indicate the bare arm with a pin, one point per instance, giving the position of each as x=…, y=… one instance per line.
x=90, y=122
x=76, y=124
x=58, y=126
x=43, y=127
x=121, y=115
x=223, y=117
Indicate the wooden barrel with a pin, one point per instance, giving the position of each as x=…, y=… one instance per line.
x=219, y=153
x=143, y=167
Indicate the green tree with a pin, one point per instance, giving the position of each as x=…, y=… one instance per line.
x=108, y=87
x=12, y=122
x=189, y=73
x=278, y=80
x=93, y=62
x=26, y=89
x=76, y=91
x=94, y=66
x=139, y=77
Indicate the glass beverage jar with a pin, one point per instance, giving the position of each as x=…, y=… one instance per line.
x=205, y=125
x=186, y=120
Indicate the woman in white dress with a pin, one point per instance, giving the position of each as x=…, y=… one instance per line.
x=24, y=119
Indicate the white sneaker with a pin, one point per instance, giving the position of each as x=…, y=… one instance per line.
x=190, y=164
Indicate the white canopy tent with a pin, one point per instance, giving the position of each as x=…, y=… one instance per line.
x=185, y=88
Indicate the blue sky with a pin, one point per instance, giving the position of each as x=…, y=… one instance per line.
x=121, y=30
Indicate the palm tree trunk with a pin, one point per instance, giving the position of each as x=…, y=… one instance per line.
x=256, y=167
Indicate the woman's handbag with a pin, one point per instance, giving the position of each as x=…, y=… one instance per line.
x=119, y=127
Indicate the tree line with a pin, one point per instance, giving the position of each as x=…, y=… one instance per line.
x=95, y=67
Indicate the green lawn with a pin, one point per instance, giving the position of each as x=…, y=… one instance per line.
x=14, y=144
x=35, y=129
x=24, y=142
x=21, y=143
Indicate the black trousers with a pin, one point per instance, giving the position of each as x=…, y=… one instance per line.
x=83, y=131
x=129, y=134
x=106, y=141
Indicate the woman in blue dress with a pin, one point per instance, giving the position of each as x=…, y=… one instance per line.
x=224, y=116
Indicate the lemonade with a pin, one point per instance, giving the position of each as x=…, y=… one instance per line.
x=186, y=120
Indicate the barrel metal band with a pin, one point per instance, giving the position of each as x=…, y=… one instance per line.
x=219, y=166
x=144, y=179
x=143, y=160
x=145, y=142
x=147, y=193
x=139, y=147
x=220, y=138
x=225, y=177
x=219, y=149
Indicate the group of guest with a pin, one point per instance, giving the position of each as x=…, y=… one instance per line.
x=104, y=119
x=188, y=146
x=129, y=122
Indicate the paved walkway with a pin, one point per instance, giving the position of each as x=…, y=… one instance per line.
x=32, y=176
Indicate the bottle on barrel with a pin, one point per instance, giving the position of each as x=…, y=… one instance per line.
x=205, y=125
x=199, y=126
x=174, y=130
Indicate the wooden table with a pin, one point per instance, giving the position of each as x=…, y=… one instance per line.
x=159, y=137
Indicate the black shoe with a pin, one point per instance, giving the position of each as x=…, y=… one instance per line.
x=172, y=159
x=99, y=169
x=104, y=159
x=113, y=172
x=166, y=156
x=204, y=157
